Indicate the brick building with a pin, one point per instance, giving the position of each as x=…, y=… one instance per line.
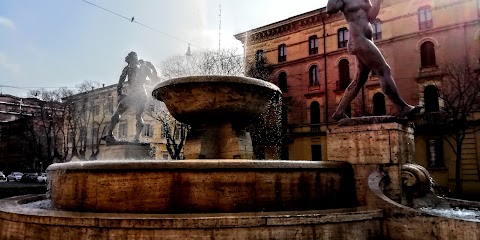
x=313, y=68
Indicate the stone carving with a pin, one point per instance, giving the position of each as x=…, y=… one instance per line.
x=134, y=95
x=359, y=14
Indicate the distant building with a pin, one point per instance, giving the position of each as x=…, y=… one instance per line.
x=89, y=114
x=19, y=118
x=313, y=68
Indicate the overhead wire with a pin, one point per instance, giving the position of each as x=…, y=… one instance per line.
x=132, y=19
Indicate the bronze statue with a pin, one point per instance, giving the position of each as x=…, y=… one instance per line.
x=359, y=14
x=136, y=96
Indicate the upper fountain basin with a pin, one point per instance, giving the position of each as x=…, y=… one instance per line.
x=203, y=99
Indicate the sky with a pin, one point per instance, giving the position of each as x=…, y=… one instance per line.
x=57, y=43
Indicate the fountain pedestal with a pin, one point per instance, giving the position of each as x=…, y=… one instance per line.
x=225, y=141
x=124, y=150
x=373, y=143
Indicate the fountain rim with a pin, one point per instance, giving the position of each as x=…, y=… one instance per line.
x=155, y=165
x=218, y=79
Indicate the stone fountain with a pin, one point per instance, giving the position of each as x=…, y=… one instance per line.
x=220, y=193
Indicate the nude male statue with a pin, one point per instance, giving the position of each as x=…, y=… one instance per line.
x=359, y=15
x=137, y=72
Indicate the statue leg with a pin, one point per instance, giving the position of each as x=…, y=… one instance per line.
x=371, y=56
x=121, y=108
x=352, y=90
x=139, y=124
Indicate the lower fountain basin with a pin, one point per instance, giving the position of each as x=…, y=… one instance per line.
x=20, y=220
x=196, y=186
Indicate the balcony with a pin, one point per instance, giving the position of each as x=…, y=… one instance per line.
x=315, y=128
x=433, y=119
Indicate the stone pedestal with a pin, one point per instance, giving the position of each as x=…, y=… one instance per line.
x=125, y=150
x=373, y=143
x=218, y=141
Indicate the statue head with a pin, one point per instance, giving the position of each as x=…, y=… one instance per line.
x=131, y=58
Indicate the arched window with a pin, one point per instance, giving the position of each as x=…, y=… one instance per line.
x=313, y=72
x=259, y=55
x=313, y=44
x=427, y=54
x=377, y=30
x=282, y=53
x=342, y=37
x=344, y=74
x=315, y=113
x=379, y=108
x=430, y=96
x=425, y=18
x=282, y=82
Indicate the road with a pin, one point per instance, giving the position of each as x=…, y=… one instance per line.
x=4, y=184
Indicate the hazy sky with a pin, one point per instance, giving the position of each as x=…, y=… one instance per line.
x=61, y=43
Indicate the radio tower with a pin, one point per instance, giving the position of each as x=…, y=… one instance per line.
x=220, y=27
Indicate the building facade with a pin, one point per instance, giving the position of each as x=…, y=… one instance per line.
x=88, y=117
x=24, y=135
x=313, y=68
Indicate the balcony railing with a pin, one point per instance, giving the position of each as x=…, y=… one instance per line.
x=315, y=128
x=431, y=119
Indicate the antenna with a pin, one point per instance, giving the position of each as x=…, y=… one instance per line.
x=220, y=27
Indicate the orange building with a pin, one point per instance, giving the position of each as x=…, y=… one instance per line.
x=313, y=67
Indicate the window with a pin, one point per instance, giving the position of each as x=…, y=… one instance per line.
x=282, y=82
x=348, y=111
x=95, y=134
x=313, y=72
x=344, y=74
x=425, y=18
x=478, y=8
x=315, y=113
x=317, y=152
x=377, y=30
x=427, y=54
x=313, y=45
x=435, y=152
x=342, y=37
x=379, y=108
x=430, y=96
x=147, y=130
x=282, y=53
x=164, y=130
x=122, y=130
x=96, y=109
x=284, y=153
x=259, y=55
x=70, y=137
x=109, y=106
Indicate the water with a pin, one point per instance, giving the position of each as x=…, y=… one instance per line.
x=45, y=204
x=453, y=212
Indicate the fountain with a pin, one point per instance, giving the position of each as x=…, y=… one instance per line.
x=219, y=193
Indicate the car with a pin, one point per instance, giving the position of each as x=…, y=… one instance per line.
x=42, y=178
x=2, y=177
x=15, y=176
x=29, y=177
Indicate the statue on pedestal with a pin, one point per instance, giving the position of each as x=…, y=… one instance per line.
x=359, y=15
x=136, y=95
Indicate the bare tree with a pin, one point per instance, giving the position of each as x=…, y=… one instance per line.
x=46, y=128
x=459, y=91
x=221, y=62
x=173, y=131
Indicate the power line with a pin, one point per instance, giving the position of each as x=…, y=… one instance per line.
x=141, y=24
